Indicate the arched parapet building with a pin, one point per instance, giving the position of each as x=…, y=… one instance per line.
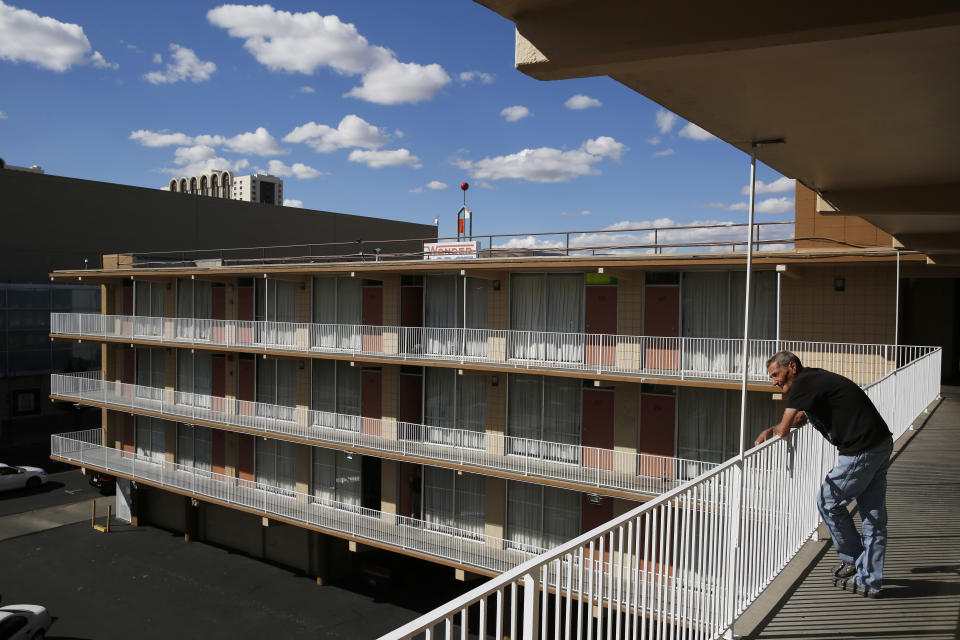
x=214, y=183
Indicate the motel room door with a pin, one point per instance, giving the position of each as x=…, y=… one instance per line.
x=371, y=315
x=371, y=400
x=600, y=317
x=661, y=317
x=598, y=408
x=657, y=434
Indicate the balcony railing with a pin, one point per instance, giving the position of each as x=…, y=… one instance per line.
x=687, y=563
x=466, y=548
x=596, y=469
x=664, y=357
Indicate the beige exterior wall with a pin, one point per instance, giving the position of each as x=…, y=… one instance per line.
x=302, y=470
x=626, y=416
x=390, y=398
x=231, y=454
x=389, y=488
x=496, y=507
x=630, y=304
x=820, y=229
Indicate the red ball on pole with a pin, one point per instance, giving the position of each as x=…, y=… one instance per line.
x=464, y=186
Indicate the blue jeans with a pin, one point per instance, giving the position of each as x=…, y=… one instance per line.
x=861, y=477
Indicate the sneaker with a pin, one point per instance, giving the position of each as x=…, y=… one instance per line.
x=844, y=571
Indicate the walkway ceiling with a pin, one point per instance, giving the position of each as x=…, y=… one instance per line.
x=865, y=95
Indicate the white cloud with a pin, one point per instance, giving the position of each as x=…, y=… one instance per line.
x=436, y=185
x=258, y=142
x=157, y=58
x=605, y=146
x=307, y=89
x=585, y=212
x=654, y=140
x=770, y=205
x=780, y=185
x=385, y=158
x=305, y=42
x=470, y=76
x=581, y=101
x=298, y=169
x=663, y=152
x=3, y=115
x=545, y=164
x=97, y=60
x=184, y=66
x=694, y=132
x=159, y=139
x=46, y=42
x=198, y=158
x=514, y=113
x=293, y=203
x=416, y=190
x=665, y=120
x=353, y=131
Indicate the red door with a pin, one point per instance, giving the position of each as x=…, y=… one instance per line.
x=661, y=317
x=657, y=428
x=598, y=428
x=371, y=401
x=246, y=385
x=218, y=444
x=371, y=315
x=411, y=398
x=218, y=311
x=245, y=456
x=600, y=323
x=245, y=313
x=594, y=511
x=218, y=383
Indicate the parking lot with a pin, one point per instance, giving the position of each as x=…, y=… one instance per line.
x=149, y=583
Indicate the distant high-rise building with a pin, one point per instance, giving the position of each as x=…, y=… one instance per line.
x=261, y=187
x=212, y=182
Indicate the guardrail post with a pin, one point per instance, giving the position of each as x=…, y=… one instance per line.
x=531, y=606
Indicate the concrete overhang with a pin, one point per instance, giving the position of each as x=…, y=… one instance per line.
x=866, y=96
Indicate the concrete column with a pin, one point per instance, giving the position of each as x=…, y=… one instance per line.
x=304, y=310
x=302, y=470
x=496, y=507
x=303, y=390
x=231, y=453
x=497, y=317
x=390, y=399
x=170, y=441
x=391, y=313
x=626, y=424
x=496, y=413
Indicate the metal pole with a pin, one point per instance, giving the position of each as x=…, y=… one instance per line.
x=896, y=316
x=779, y=275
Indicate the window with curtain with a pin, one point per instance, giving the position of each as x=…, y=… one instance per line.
x=708, y=422
x=335, y=394
x=336, y=477
x=541, y=517
x=148, y=298
x=762, y=412
x=547, y=413
x=443, y=302
x=194, y=378
x=545, y=309
x=194, y=301
x=195, y=447
x=275, y=302
x=275, y=464
x=454, y=500
x=337, y=300
x=150, y=373
x=763, y=315
x=453, y=401
x=150, y=438
x=276, y=392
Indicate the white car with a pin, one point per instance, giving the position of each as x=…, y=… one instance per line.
x=20, y=477
x=26, y=621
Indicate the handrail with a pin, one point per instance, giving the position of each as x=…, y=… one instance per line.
x=467, y=548
x=595, y=468
x=671, y=562
x=648, y=356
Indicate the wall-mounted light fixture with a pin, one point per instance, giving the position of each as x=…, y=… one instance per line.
x=594, y=499
x=494, y=381
x=496, y=285
x=839, y=284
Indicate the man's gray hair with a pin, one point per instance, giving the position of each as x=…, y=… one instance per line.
x=784, y=358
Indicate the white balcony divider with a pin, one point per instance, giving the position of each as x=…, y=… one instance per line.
x=467, y=548
x=697, y=358
x=642, y=474
x=670, y=568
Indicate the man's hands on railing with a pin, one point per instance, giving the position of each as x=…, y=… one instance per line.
x=792, y=419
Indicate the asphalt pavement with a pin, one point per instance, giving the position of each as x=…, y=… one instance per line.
x=62, y=488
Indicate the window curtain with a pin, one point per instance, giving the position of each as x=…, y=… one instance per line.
x=475, y=342
x=700, y=428
x=195, y=447
x=150, y=373
x=762, y=412
x=349, y=312
x=348, y=396
x=276, y=303
x=336, y=477
x=276, y=464
x=440, y=312
x=472, y=409
x=524, y=405
x=148, y=300
x=562, y=408
x=202, y=308
x=440, y=405
x=150, y=438
x=276, y=385
x=550, y=303
x=203, y=378
x=763, y=316
x=527, y=313
x=185, y=329
x=323, y=392
x=541, y=517
x=705, y=303
x=325, y=311
x=451, y=500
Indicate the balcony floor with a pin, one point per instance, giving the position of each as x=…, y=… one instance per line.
x=921, y=596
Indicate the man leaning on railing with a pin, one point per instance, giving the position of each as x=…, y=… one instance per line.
x=845, y=416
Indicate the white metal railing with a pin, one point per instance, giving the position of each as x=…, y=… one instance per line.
x=467, y=548
x=598, y=469
x=669, y=357
x=685, y=564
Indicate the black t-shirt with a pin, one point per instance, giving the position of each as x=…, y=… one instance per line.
x=838, y=409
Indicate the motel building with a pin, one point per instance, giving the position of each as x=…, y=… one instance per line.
x=471, y=412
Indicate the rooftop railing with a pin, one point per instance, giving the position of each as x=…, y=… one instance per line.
x=643, y=356
x=467, y=548
x=596, y=469
x=687, y=563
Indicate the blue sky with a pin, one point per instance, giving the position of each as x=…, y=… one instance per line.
x=373, y=108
